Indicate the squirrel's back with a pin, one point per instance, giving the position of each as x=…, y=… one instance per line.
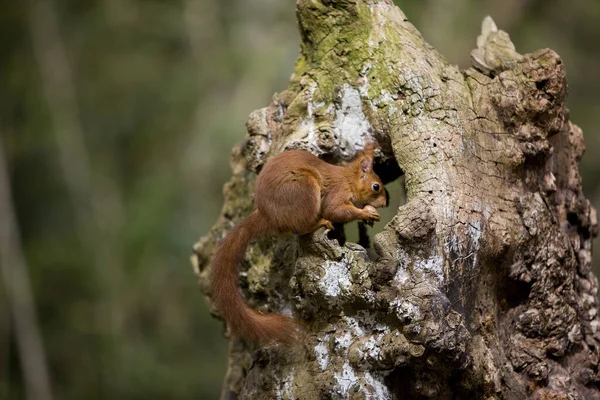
x=288, y=191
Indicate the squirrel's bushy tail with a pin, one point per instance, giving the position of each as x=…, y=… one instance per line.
x=245, y=322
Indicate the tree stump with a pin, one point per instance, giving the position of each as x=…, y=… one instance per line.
x=481, y=285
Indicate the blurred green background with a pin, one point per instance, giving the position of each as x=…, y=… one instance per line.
x=117, y=118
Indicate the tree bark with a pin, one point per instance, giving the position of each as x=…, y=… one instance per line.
x=481, y=286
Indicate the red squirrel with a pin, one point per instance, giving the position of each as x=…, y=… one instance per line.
x=298, y=193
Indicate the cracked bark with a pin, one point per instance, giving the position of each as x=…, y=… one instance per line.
x=481, y=286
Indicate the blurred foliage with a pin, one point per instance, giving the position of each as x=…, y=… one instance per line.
x=161, y=93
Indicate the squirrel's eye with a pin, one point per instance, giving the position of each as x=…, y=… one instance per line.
x=376, y=187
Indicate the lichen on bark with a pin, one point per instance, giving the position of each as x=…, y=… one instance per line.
x=481, y=286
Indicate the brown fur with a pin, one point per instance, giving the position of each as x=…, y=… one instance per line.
x=296, y=192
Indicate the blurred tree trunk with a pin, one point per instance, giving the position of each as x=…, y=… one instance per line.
x=482, y=284
x=16, y=287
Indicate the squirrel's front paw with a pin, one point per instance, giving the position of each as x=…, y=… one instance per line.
x=370, y=215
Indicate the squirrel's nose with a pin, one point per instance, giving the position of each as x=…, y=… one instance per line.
x=387, y=198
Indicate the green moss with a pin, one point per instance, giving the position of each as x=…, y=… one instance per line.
x=333, y=44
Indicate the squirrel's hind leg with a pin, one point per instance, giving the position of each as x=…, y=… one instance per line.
x=295, y=206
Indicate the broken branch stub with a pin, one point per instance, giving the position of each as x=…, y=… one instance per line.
x=483, y=286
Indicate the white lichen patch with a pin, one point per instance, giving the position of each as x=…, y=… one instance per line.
x=343, y=342
x=368, y=384
x=337, y=279
x=388, y=100
x=377, y=387
x=402, y=276
x=354, y=325
x=367, y=351
x=363, y=89
x=434, y=264
x=451, y=245
x=404, y=309
x=322, y=353
x=350, y=124
x=371, y=347
x=475, y=237
x=331, y=353
x=345, y=378
x=287, y=391
x=386, y=97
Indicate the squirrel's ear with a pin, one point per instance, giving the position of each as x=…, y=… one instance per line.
x=366, y=163
x=366, y=157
